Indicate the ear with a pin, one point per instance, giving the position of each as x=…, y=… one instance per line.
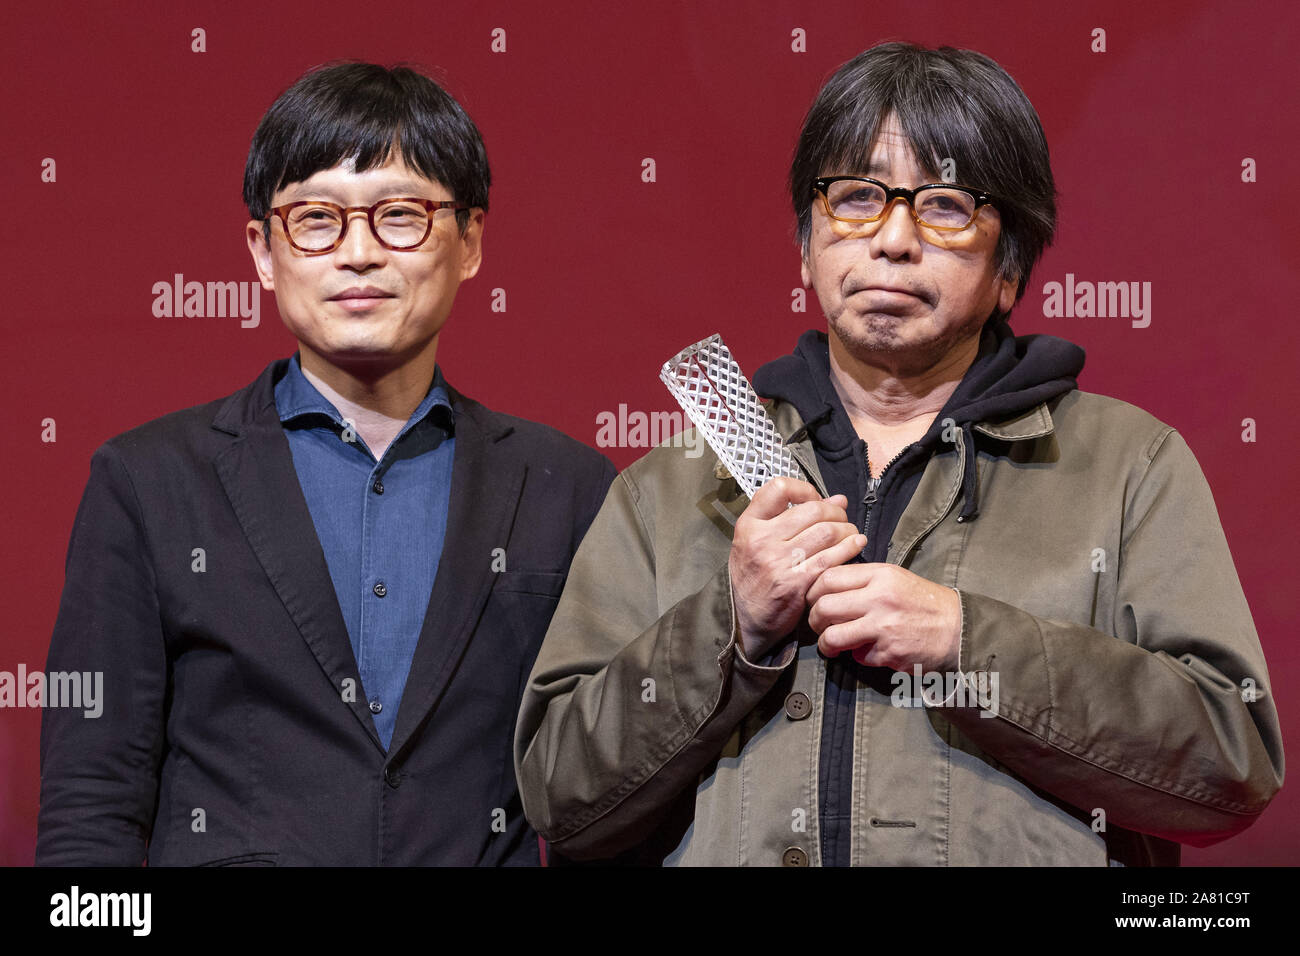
x=1007, y=293
x=261, y=252
x=804, y=275
x=471, y=244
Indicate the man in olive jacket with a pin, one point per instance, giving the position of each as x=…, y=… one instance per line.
x=998, y=624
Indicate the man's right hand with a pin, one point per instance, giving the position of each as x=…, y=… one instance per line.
x=778, y=552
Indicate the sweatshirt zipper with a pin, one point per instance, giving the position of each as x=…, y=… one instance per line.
x=870, y=500
x=873, y=484
x=839, y=713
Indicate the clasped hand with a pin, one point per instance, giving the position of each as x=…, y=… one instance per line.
x=788, y=556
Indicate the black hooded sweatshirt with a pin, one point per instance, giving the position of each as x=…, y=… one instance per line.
x=1010, y=375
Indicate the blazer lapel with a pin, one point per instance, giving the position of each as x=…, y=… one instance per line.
x=258, y=474
x=485, y=485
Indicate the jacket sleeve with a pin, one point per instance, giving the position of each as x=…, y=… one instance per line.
x=628, y=700
x=99, y=772
x=1167, y=726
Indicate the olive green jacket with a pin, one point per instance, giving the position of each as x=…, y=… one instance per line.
x=1132, y=706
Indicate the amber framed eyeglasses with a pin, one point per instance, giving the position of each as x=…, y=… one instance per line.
x=317, y=227
x=943, y=206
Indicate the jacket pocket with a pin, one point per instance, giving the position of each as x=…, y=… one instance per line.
x=268, y=858
x=544, y=583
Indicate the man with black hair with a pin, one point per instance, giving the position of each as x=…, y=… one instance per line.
x=314, y=602
x=973, y=635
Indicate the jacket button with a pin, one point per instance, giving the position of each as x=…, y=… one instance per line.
x=794, y=856
x=797, y=707
x=392, y=777
x=380, y=589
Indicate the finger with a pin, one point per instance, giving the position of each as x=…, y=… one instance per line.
x=816, y=565
x=840, y=577
x=819, y=537
x=831, y=609
x=845, y=636
x=772, y=499
x=805, y=515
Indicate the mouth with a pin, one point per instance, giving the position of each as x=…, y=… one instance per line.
x=891, y=289
x=360, y=298
x=889, y=297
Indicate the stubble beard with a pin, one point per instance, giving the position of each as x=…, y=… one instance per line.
x=872, y=337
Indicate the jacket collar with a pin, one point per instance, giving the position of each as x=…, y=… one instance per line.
x=940, y=484
x=249, y=405
x=1034, y=423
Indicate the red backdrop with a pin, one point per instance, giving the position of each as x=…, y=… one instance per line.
x=606, y=275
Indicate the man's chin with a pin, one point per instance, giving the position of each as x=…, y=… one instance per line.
x=904, y=343
x=880, y=332
x=375, y=347
x=353, y=352
x=911, y=341
x=362, y=356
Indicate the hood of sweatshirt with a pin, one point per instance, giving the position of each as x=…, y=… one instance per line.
x=1010, y=375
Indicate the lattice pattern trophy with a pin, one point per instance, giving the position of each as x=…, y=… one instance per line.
x=718, y=399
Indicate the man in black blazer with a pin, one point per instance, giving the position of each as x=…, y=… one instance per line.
x=315, y=602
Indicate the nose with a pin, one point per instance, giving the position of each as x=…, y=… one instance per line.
x=359, y=250
x=896, y=232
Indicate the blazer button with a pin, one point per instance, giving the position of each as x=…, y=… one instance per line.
x=392, y=777
x=797, y=707
x=794, y=856
x=380, y=589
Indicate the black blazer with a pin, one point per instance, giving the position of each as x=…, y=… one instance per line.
x=228, y=733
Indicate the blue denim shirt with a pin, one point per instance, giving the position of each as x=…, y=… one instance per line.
x=380, y=523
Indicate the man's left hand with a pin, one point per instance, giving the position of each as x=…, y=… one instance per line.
x=887, y=616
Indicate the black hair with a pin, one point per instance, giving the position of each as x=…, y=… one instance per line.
x=951, y=104
x=363, y=111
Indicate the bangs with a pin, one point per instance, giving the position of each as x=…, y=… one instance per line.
x=364, y=113
x=366, y=138
x=936, y=123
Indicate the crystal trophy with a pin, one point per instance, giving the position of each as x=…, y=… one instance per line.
x=718, y=399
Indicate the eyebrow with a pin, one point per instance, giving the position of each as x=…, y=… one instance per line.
x=876, y=170
x=383, y=190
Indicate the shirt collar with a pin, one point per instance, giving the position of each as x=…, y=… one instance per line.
x=296, y=396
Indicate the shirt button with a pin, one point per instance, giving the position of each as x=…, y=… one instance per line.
x=380, y=589
x=376, y=706
x=798, y=706
x=378, y=486
x=794, y=856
